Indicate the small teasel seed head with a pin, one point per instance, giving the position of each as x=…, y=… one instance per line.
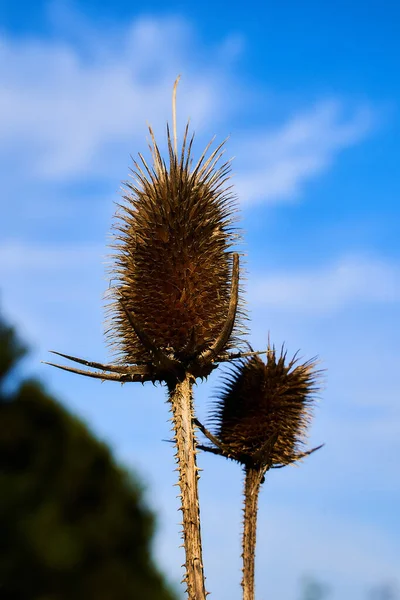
x=173, y=253
x=264, y=409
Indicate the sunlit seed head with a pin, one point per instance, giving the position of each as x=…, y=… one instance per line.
x=173, y=262
x=262, y=402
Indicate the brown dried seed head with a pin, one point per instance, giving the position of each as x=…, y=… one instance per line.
x=265, y=408
x=173, y=264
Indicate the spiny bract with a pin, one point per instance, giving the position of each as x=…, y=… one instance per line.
x=264, y=410
x=173, y=264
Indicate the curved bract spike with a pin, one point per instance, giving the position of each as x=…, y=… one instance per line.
x=227, y=356
x=298, y=457
x=209, y=435
x=96, y=365
x=141, y=375
x=210, y=449
x=308, y=452
x=219, y=447
x=302, y=455
x=226, y=331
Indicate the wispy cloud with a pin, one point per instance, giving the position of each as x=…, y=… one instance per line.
x=68, y=107
x=71, y=105
x=328, y=289
x=276, y=164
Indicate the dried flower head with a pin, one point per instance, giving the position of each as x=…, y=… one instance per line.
x=174, y=264
x=264, y=410
x=175, y=293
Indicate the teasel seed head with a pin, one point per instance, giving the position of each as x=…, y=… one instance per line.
x=264, y=410
x=173, y=265
x=176, y=308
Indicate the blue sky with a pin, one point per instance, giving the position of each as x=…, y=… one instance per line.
x=309, y=95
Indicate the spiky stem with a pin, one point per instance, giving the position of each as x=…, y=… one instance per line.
x=181, y=398
x=253, y=479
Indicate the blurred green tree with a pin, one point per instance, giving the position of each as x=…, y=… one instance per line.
x=72, y=524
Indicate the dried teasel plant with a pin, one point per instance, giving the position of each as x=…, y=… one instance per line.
x=260, y=420
x=174, y=311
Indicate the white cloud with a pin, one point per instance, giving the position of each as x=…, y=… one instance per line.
x=277, y=163
x=328, y=289
x=69, y=106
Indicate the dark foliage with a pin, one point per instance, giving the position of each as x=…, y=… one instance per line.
x=73, y=526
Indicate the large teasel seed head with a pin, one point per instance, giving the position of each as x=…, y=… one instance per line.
x=264, y=409
x=173, y=262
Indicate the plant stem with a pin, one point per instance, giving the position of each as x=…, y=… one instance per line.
x=253, y=479
x=181, y=398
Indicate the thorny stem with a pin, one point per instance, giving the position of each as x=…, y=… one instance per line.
x=253, y=479
x=181, y=398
